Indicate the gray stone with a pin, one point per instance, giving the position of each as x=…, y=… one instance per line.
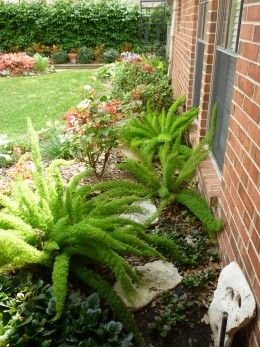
x=157, y=277
x=148, y=216
x=234, y=296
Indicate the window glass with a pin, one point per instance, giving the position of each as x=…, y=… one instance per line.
x=233, y=25
x=202, y=18
x=230, y=16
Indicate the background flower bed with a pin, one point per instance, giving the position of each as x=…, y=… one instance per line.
x=70, y=25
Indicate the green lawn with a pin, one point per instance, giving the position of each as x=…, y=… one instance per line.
x=41, y=98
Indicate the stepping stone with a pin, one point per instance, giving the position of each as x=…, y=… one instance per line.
x=157, y=277
x=233, y=296
x=149, y=215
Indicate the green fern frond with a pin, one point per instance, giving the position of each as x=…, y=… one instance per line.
x=38, y=173
x=15, y=252
x=199, y=207
x=26, y=232
x=60, y=282
x=141, y=173
x=172, y=111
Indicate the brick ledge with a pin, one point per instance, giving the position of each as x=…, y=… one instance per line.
x=208, y=174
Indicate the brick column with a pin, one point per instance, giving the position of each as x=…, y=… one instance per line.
x=207, y=72
x=184, y=46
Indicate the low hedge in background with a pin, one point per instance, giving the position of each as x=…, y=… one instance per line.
x=68, y=25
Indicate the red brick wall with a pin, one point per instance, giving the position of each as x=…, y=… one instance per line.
x=234, y=194
x=184, y=43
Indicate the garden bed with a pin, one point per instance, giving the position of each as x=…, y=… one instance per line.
x=89, y=229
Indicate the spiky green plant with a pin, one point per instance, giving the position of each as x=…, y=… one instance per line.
x=168, y=179
x=152, y=131
x=69, y=227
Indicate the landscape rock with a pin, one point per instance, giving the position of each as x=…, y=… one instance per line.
x=157, y=277
x=149, y=215
x=234, y=296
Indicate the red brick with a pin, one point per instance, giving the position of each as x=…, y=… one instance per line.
x=256, y=239
x=246, y=86
x=253, y=13
x=256, y=37
x=249, y=50
x=254, y=72
x=246, y=200
x=252, y=109
x=254, y=257
x=257, y=222
x=254, y=194
x=246, y=31
x=242, y=66
x=251, y=168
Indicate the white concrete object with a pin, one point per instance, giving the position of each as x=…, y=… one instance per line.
x=157, y=277
x=233, y=296
x=148, y=216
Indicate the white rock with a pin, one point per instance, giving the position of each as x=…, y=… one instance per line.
x=234, y=296
x=157, y=277
x=148, y=216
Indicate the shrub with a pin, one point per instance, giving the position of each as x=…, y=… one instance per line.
x=67, y=227
x=110, y=55
x=32, y=301
x=85, y=55
x=60, y=57
x=98, y=52
x=77, y=24
x=16, y=64
x=41, y=63
x=137, y=79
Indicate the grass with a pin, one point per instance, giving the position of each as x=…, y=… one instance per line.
x=41, y=98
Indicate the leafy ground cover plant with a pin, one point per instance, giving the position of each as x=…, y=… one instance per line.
x=16, y=64
x=179, y=304
x=152, y=130
x=27, y=312
x=66, y=227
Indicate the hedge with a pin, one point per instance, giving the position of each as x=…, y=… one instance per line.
x=69, y=24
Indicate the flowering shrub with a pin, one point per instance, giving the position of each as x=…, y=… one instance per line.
x=130, y=57
x=135, y=77
x=16, y=64
x=93, y=127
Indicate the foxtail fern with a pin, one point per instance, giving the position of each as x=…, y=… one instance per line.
x=54, y=223
x=153, y=130
x=168, y=179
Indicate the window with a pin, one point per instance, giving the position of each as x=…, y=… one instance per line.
x=230, y=24
x=203, y=5
x=202, y=19
x=228, y=37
